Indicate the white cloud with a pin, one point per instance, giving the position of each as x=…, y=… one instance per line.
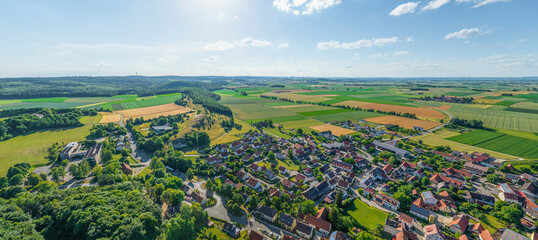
x=435, y=4
x=219, y=46
x=304, y=7
x=509, y=60
x=464, y=33
x=212, y=58
x=363, y=43
x=401, y=53
x=485, y=2
x=378, y=55
x=251, y=42
x=405, y=8
x=245, y=42
x=220, y=15
x=410, y=39
x=283, y=45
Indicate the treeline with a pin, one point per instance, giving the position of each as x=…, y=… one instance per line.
x=443, y=98
x=44, y=119
x=205, y=98
x=467, y=123
x=407, y=115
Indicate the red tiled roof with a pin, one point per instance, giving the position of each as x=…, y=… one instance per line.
x=318, y=223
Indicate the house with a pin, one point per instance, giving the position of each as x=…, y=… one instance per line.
x=304, y=230
x=527, y=223
x=475, y=168
x=241, y=175
x=194, y=196
x=432, y=232
x=420, y=212
x=337, y=235
x=68, y=150
x=322, y=226
x=213, y=160
x=459, y=223
x=507, y=234
x=485, y=235
x=316, y=192
x=388, y=202
x=406, y=219
x=530, y=189
x=255, y=235
x=231, y=230
x=126, y=169
x=283, y=170
x=387, y=168
x=287, y=183
x=266, y=213
x=479, y=198
x=342, y=165
x=418, y=128
x=429, y=198
x=254, y=184
x=287, y=221
x=300, y=178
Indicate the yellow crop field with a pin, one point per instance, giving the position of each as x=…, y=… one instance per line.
x=154, y=112
x=294, y=106
x=487, y=101
x=335, y=130
x=110, y=117
x=403, y=122
x=420, y=112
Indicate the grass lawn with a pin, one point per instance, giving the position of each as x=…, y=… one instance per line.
x=32, y=148
x=367, y=216
x=215, y=231
x=524, y=164
x=491, y=223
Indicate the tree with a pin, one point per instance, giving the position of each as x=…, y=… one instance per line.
x=405, y=200
x=33, y=179
x=16, y=180
x=173, y=196
x=309, y=207
x=190, y=174
x=106, y=155
x=425, y=181
x=338, y=198
x=492, y=178
x=57, y=174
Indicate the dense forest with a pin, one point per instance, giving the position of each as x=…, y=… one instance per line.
x=19, y=88
x=205, y=98
x=40, y=119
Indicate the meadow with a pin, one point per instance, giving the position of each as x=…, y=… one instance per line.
x=500, y=142
x=32, y=148
x=366, y=216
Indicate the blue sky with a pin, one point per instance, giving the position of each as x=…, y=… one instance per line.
x=318, y=38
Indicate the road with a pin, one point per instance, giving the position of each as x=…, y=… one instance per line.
x=136, y=153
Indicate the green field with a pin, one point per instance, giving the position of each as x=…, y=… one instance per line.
x=32, y=148
x=506, y=103
x=500, y=142
x=312, y=108
x=530, y=164
x=522, y=110
x=281, y=119
x=366, y=216
x=353, y=116
x=325, y=112
x=460, y=94
x=58, y=99
x=526, y=105
x=301, y=123
x=497, y=118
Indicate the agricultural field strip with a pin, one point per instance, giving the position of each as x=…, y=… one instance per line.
x=499, y=142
